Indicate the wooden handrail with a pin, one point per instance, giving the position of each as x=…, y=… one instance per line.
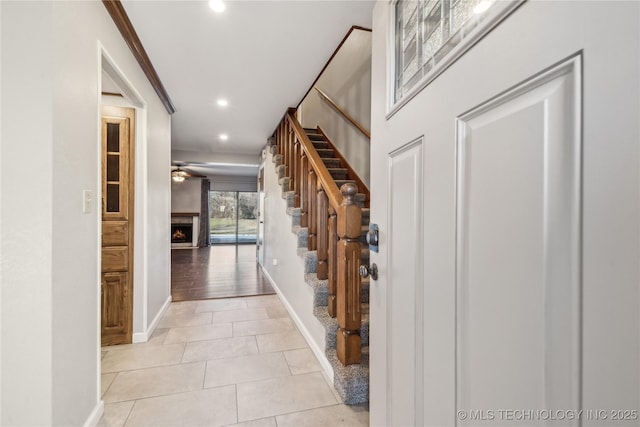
x=324, y=177
x=343, y=113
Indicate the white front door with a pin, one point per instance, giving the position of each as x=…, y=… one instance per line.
x=507, y=194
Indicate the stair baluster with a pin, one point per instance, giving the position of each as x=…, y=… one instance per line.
x=297, y=177
x=333, y=248
x=304, y=202
x=323, y=235
x=290, y=162
x=312, y=185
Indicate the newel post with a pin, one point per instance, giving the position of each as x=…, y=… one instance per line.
x=349, y=219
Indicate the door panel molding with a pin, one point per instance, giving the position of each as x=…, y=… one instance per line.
x=518, y=245
x=405, y=283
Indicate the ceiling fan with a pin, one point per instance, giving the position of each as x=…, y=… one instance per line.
x=179, y=173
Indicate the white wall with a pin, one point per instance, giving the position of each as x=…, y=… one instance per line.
x=50, y=249
x=280, y=244
x=185, y=196
x=26, y=220
x=347, y=80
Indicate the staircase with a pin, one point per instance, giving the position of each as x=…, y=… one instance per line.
x=351, y=378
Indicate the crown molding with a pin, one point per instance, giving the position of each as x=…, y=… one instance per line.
x=121, y=19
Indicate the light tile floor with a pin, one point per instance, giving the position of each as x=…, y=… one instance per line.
x=231, y=362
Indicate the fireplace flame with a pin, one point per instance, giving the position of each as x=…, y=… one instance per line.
x=178, y=235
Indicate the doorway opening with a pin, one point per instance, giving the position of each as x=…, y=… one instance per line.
x=233, y=217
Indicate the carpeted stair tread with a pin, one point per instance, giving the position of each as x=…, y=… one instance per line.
x=351, y=382
x=294, y=213
x=331, y=162
x=330, y=325
x=303, y=235
x=288, y=196
x=315, y=136
x=320, y=144
x=338, y=173
x=325, y=153
x=320, y=289
x=310, y=259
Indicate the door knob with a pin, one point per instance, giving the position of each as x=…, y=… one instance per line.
x=366, y=271
x=372, y=237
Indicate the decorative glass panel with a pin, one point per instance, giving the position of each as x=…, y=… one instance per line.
x=113, y=137
x=426, y=31
x=113, y=167
x=113, y=198
x=431, y=31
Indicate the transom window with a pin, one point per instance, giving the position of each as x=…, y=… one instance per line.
x=426, y=31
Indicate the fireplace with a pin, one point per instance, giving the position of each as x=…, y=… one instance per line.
x=181, y=233
x=184, y=227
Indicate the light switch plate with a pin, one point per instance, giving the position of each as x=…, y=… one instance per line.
x=87, y=201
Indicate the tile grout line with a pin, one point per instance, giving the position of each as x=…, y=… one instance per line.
x=169, y=394
x=287, y=362
x=112, y=381
x=204, y=375
x=305, y=410
x=184, y=350
x=126, y=420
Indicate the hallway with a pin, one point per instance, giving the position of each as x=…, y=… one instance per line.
x=219, y=363
x=220, y=271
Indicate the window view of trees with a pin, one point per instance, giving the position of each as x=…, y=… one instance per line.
x=233, y=216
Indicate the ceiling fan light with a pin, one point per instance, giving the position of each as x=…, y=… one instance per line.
x=178, y=175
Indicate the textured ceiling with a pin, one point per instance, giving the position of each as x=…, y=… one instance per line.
x=261, y=56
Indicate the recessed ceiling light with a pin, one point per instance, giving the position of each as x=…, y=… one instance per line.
x=222, y=102
x=217, y=6
x=224, y=137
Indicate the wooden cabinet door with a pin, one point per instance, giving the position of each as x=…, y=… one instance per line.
x=117, y=225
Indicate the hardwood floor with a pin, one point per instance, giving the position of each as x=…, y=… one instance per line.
x=221, y=271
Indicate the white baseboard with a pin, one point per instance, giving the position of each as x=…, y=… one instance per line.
x=322, y=358
x=139, y=337
x=95, y=415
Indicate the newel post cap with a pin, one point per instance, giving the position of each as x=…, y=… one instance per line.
x=349, y=215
